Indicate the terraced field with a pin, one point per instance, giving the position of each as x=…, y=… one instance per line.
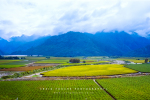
x=129, y=88
x=90, y=70
x=53, y=90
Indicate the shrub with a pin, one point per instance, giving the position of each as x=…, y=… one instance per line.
x=5, y=77
x=74, y=60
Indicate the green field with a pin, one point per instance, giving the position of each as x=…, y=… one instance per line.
x=8, y=61
x=52, y=90
x=87, y=63
x=53, y=61
x=11, y=66
x=35, y=58
x=129, y=88
x=133, y=59
x=140, y=67
x=90, y=70
x=12, y=63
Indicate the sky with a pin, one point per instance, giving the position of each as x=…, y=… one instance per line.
x=53, y=17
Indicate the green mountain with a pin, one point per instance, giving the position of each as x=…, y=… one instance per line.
x=21, y=43
x=1, y=53
x=85, y=44
x=142, y=52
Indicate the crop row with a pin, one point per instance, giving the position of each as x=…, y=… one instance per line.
x=53, y=90
x=129, y=88
x=90, y=70
x=140, y=67
x=7, y=61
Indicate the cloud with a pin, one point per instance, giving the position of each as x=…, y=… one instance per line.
x=59, y=16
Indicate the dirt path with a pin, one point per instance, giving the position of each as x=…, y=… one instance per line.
x=77, y=78
x=104, y=90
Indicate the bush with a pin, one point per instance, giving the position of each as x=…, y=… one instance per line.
x=74, y=60
x=84, y=61
x=5, y=77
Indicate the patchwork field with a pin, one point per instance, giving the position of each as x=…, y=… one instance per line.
x=87, y=63
x=53, y=61
x=7, y=61
x=90, y=70
x=53, y=90
x=11, y=66
x=140, y=67
x=24, y=68
x=129, y=88
x=132, y=60
x=11, y=63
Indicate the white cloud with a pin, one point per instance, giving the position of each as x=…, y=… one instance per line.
x=52, y=17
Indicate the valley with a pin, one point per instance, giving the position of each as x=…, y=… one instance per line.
x=75, y=80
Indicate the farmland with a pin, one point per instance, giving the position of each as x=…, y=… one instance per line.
x=69, y=81
x=7, y=61
x=133, y=59
x=90, y=70
x=129, y=88
x=10, y=66
x=11, y=63
x=24, y=68
x=53, y=90
x=140, y=67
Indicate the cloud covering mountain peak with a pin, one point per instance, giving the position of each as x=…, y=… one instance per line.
x=60, y=16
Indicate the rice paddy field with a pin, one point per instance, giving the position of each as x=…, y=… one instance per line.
x=11, y=66
x=90, y=70
x=7, y=61
x=53, y=61
x=18, y=63
x=53, y=90
x=11, y=63
x=140, y=67
x=129, y=88
x=24, y=68
x=66, y=61
x=133, y=59
x=125, y=88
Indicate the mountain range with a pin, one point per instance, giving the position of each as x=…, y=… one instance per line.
x=86, y=44
x=21, y=43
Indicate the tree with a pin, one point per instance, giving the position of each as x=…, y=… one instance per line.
x=74, y=60
x=48, y=57
x=146, y=60
x=84, y=61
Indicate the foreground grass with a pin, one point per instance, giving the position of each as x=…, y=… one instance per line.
x=53, y=90
x=90, y=70
x=140, y=67
x=129, y=88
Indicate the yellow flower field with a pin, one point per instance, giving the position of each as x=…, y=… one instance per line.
x=90, y=70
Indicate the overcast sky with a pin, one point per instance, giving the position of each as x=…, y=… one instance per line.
x=43, y=17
